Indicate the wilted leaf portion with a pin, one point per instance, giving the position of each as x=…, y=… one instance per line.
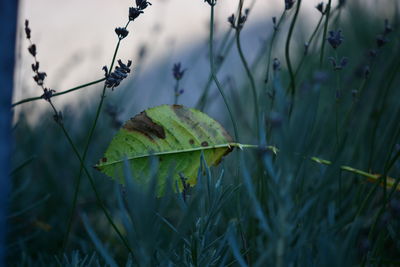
x=174, y=137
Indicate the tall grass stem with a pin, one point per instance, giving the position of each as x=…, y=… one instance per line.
x=26, y=100
x=214, y=76
x=326, y=24
x=91, y=132
x=287, y=56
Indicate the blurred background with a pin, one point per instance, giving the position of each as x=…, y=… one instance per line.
x=75, y=39
x=82, y=39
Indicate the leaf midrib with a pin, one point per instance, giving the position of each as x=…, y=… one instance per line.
x=193, y=149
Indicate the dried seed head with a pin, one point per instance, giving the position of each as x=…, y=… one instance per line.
x=241, y=20
x=58, y=117
x=177, y=72
x=134, y=12
x=105, y=70
x=39, y=77
x=343, y=62
x=231, y=20
x=320, y=8
x=219, y=59
x=381, y=40
x=338, y=65
x=121, y=32
x=211, y=2
x=142, y=4
x=27, y=30
x=35, y=66
x=32, y=50
x=276, y=65
x=289, y=4
x=388, y=27
x=120, y=73
x=274, y=23
x=47, y=94
x=335, y=38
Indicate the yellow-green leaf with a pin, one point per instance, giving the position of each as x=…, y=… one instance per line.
x=175, y=136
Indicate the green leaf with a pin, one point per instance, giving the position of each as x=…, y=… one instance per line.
x=175, y=136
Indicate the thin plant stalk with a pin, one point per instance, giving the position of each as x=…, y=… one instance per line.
x=392, y=78
x=176, y=92
x=337, y=18
x=314, y=33
x=26, y=100
x=250, y=77
x=287, y=56
x=213, y=74
x=274, y=34
x=275, y=81
x=328, y=11
x=393, y=190
x=91, y=180
x=353, y=105
x=318, y=160
x=310, y=42
x=388, y=165
x=58, y=119
x=81, y=168
x=91, y=132
x=337, y=99
x=22, y=165
x=223, y=50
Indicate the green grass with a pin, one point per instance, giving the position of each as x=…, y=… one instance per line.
x=256, y=208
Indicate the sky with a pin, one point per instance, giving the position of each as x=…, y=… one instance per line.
x=76, y=38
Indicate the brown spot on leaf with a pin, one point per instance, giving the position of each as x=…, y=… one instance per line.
x=227, y=151
x=227, y=136
x=184, y=114
x=143, y=124
x=213, y=129
x=204, y=143
x=191, y=141
x=104, y=160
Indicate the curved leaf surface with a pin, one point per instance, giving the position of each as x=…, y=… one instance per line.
x=174, y=136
